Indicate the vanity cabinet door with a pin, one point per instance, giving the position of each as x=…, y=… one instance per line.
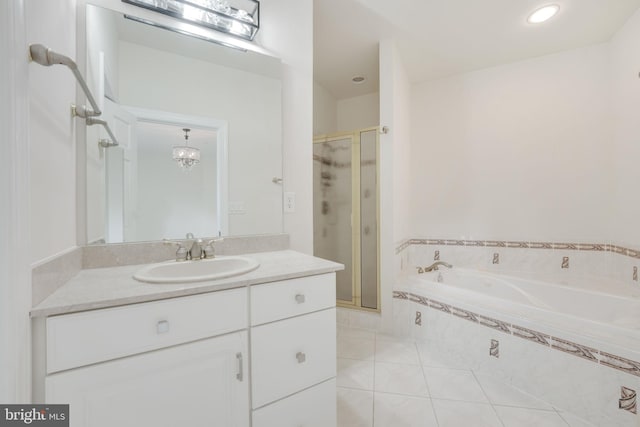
x=204, y=383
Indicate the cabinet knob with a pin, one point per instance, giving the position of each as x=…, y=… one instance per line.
x=300, y=298
x=162, y=326
x=301, y=357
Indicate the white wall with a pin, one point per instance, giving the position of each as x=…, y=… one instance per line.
x=15, y=257
x=394, y=173
x=325, y=111
x=625, y=64
x=287, y=30
x=358, y=112
x=520, y=151
x=52, y=90
x=401, y=131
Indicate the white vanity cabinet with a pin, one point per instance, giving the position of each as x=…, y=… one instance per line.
x=181, y=361
x=293, y=352
x=262, y=355
x=203, y=383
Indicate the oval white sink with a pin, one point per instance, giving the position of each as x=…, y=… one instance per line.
x=196, y=271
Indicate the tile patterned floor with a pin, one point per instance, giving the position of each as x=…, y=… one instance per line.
x=385, y=381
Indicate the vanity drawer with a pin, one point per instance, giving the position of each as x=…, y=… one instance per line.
x=288, y=298
x=291, y=355
x=314, y=407
x=94, y=336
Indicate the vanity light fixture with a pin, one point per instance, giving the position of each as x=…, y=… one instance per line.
x=543, y=14
x=239, y=18
x=183, y=154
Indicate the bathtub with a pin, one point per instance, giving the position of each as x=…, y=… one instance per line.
x=582, y=313
x=572, y=343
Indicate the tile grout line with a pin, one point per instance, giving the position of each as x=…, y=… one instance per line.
x=424, y=376
x=487, y=397
x=560, y=415
x=414, y=343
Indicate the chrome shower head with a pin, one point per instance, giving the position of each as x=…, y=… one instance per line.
x=42, y=55
x=45, y=56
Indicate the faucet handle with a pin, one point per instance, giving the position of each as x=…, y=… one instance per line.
x=181, y=252
x=209, y=249
x=420, y=270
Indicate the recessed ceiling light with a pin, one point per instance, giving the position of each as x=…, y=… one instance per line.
x=543, y=13
x=358, y=80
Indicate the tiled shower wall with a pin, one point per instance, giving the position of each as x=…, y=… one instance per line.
x=562, y=260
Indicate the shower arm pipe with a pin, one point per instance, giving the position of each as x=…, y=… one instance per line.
x=93, y=121
x=47, y=57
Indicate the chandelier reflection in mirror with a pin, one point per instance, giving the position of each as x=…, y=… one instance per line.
x=240, y=18
x=186, y=156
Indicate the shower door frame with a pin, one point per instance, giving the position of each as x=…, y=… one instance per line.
x=356, y=229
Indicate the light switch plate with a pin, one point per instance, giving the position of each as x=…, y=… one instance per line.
x=289, y=202
x=237, y=208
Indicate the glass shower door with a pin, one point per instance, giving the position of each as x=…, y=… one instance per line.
x=345, y=203
x=332, y=201
x=369, y=218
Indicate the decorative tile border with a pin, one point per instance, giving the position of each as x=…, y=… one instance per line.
x=530, y=335
x=494, y=324
x=575, y=349
x=494, y=349
x=404, y=245
x=595, y=247
x=620, y=363
x=627, y=400
x=597, y=356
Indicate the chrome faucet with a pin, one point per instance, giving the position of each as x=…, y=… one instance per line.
x=434, y=266
x=200, y=249
x=195, y=251
x=197, y=248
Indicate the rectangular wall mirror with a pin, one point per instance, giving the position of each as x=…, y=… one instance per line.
x=152, y=83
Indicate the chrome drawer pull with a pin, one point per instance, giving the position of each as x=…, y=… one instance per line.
x=162, y=327
x=301, y=357
x=239, y=375
x=300, y=298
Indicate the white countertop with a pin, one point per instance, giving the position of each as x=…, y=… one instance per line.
x=113, y=286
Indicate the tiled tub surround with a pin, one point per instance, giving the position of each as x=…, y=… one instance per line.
x=583, y=366
x=591, y=260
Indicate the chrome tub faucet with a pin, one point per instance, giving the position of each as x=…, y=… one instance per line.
x=433, y=267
